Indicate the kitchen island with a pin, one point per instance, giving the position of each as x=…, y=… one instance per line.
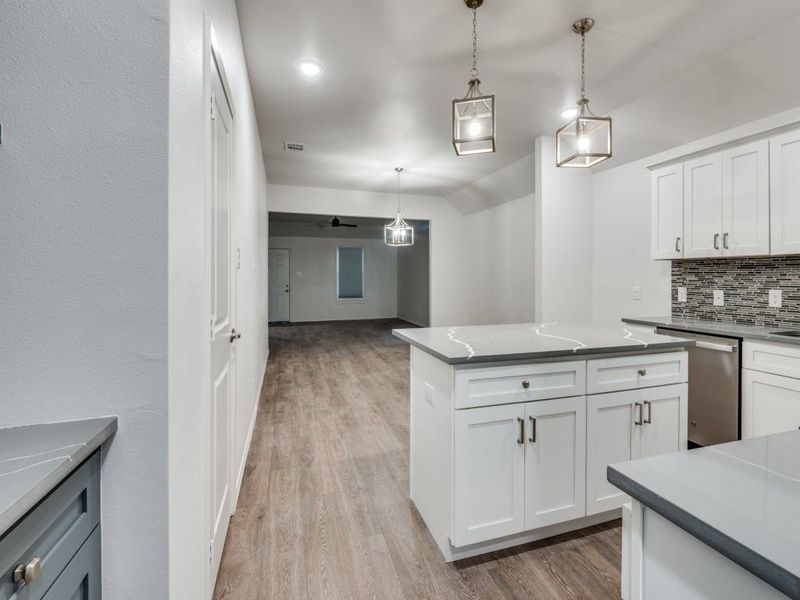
x=721, y=522
x=513, y=426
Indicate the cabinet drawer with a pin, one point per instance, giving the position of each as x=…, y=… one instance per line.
x=81, y=578
x=781, y=359
x=523, y=383
x=635, y=372
x=53, y=531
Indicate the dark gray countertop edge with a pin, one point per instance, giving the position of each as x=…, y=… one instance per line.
x=489, y=358
x=717, y=328
x=761, y=567
x=47, y=483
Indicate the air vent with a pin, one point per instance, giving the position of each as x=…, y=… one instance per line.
x=293, y=146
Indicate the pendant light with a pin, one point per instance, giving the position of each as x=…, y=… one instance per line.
x=586, y=140
x=474, y=114
x=398, y=232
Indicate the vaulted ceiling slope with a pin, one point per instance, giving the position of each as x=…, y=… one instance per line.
x=668, y=72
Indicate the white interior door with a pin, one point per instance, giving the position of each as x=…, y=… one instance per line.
x=279, y=285
x=222, y=393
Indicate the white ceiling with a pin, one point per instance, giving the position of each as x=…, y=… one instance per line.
x=392, y=68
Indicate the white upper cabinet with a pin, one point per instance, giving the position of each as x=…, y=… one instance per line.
x=785, y=193
x=702, y=206
x=745, y=200
x=666, y=213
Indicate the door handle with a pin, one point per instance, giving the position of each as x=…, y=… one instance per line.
x=649, y=406
x=677, y=244
x=716, y=347
x=716, y=241
x=532, y=439
x=638, y=408
x=235, y=335
x=725, y=240
x=521, y=438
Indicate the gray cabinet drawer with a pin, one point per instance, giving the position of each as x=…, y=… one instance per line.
x=81, y=579
x=53, y=531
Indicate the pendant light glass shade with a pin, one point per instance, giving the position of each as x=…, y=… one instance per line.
x=398, y=232
x=474, y=115
x=586, y=140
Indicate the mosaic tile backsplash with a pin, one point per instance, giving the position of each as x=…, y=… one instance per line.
x=746, y=283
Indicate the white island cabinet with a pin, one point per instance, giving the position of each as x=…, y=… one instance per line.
x=512, y=427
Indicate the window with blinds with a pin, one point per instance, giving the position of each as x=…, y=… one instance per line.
x=349, y=273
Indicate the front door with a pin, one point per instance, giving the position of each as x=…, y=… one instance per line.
x=278, y=285
x=222, y=316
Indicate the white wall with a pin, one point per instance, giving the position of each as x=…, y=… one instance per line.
x=312, y=268
x=621, y=202
x=563, y=237
x=413, y=279
x=83, y=251
x=188, y=280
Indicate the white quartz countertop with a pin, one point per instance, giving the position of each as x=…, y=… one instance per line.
x=34, y=459
x=740, y=498
x=530, y=341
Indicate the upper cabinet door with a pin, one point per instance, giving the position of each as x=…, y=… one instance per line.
x=745, y=194
x=702, y=216
x=785, y=193
x=555, y=461
x=666, y=213
x=489, y=471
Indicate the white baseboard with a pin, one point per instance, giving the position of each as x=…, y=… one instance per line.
x=250, y=429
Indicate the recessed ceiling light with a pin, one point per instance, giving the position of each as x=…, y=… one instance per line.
x=569, y=112
x=309, y=66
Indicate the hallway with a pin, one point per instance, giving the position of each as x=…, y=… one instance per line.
x=324, y=509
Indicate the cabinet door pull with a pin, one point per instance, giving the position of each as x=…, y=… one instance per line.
x=677, y=244
x=521, y=438
x=638, y=418
x=716, y=241
x=725, y=240
x=649, y=406
x=532, y=439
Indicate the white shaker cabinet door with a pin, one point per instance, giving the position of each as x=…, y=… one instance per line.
x=663, y=428
x=489, y=469
x=784, y=169
x=745, y=193
x=770, y=403
x=555, y=461
x=666, y=212
x=609, y=423
x=702, y=208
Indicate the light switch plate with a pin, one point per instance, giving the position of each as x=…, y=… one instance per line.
x=681, y=294
x=429, y=393
x=637, y=292
x=775, y=298
x=719, y=298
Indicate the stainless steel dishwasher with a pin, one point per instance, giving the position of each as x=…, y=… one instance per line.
x=714, y=400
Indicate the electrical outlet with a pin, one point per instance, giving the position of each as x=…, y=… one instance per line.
x=429, y=393
x=681, y=294
x=637, y=292
x=719, y=298
x=775, y=298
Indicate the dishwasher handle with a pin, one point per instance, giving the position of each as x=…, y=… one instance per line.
x=716, y=347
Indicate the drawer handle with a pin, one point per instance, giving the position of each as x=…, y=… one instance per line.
x=526, y=384
x=642, y=372
x=29, y=572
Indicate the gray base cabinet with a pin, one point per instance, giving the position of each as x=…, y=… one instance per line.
x=53, y=552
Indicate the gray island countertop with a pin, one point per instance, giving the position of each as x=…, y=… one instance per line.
x=531, y=341
x=740, y=498
x=723, y=328
x=35, y=458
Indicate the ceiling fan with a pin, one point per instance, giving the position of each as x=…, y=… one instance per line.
x=335, y=222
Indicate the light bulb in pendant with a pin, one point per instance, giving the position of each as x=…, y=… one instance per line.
x=474, y=128
x=583, y=143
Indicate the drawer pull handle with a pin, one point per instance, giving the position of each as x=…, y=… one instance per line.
x=526, y=384
x=521, y=438
x=642, y=372
x=638, y=409
x=28, y=572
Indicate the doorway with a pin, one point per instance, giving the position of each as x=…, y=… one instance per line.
x=279, y=288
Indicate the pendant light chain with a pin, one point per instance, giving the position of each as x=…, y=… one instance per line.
x=397, y=170
x=583, y=66
x=474, y=43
